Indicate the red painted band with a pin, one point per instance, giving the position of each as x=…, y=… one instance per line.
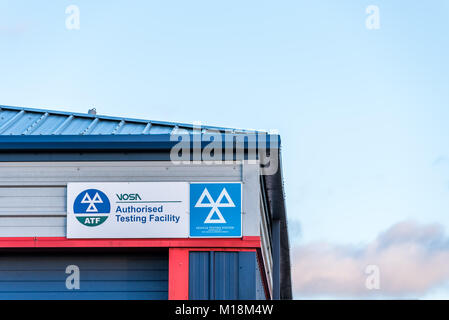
x=61, y=242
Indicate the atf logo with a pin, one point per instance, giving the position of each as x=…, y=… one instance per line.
x=215, y=210
x=92, y=207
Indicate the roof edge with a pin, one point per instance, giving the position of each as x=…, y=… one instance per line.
x=135, y=142
x=131, y=120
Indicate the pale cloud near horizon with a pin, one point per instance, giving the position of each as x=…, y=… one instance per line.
x=412, y=258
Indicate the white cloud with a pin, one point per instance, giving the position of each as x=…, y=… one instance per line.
x=412, y=258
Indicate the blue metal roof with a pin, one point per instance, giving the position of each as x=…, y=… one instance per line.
x=29, y=121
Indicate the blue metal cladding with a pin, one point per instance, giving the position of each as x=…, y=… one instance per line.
x=226, y=282
x=19, y=121
x=199, y=276
x=102, y=276
x=224, y=276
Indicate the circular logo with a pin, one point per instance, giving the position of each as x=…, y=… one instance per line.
x=92, y=207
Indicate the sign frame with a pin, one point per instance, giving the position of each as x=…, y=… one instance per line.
x=241, y=211
x=175, y=205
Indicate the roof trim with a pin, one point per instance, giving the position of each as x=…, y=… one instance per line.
x=274, y=188
x=128, y=142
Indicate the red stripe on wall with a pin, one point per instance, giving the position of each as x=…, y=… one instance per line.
x=60, y=242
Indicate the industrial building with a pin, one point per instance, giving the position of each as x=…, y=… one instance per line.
x=94, y=207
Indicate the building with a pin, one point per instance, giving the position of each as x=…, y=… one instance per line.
x=94, y=207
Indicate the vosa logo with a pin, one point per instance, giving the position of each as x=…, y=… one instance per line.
x=215, y=210
x=92, y=207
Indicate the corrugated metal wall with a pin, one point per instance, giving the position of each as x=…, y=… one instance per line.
x=224, y=276
x=33, y=194
x=102, y=276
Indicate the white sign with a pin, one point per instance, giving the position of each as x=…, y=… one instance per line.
x=128, y=210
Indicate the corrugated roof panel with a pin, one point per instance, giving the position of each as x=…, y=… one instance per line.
x=104, y=127
x=21, y=123
x=29, y=121
x=157, y=129
x=118, y=128
x=50, y=124
x=181, y=130
x=77, y=126
x=5, y=119
x=132, y=128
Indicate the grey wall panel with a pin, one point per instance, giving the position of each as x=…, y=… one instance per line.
x=43, y=231
x=251, y=197
x=38, y=189
x=32, y=191
x=44, y=226
x=24, y=210
x=24, y=222
x=59, y=173
x=32, y=201
x=29, y=200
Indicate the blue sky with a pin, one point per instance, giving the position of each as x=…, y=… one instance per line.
x=363, y=114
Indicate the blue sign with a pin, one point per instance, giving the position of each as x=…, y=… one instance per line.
x=215, y=210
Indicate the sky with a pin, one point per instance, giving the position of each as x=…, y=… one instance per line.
x=362, y=113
